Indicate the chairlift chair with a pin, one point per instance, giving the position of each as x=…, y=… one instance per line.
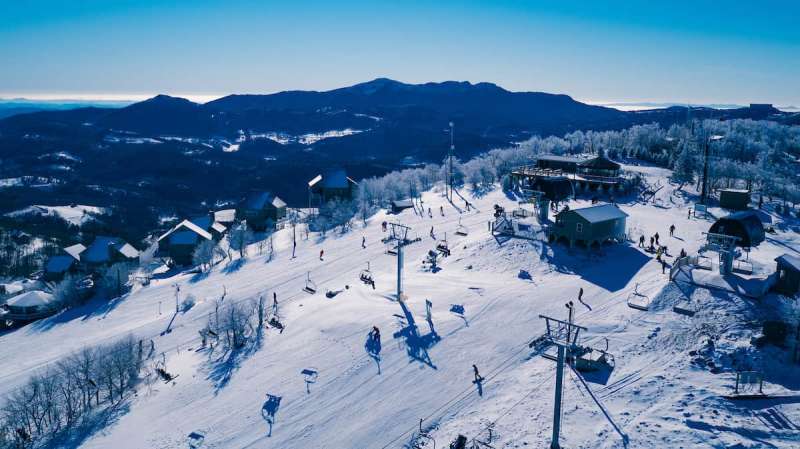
x=443, y=247
x=366, y=276
x=638, y=301
x=461, y=229
x=311, y=286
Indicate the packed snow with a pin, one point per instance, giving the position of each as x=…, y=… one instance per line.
x=667, y=388
x=75, y=214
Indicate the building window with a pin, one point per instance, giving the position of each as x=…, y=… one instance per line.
x=579, y=228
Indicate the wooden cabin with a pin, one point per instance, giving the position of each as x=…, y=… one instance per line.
x=105, y=251
x=334, y=184
x=67, y=262
x=401, y=205
x=590, y=226
x=180, y=242
x=260, y=208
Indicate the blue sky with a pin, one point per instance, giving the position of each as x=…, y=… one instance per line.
x=602, y=51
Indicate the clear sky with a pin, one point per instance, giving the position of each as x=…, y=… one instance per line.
x=626, y=51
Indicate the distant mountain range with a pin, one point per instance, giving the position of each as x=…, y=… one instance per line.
x=167, y=149
x=9, y=107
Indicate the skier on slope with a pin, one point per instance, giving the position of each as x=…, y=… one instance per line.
x=478, y=377
x=671, y=230
x=321, y=253
x=363, y=242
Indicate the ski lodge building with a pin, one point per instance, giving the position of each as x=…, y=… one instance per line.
x=589, y=226
x=599, y=174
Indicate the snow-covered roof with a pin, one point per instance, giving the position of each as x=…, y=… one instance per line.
x=219, y=227
x=59, y=264
x=127, y=250
x=597, y=214
x=31, y=299
x=188, y=225
x=789, y=261
x=99, y=250
x=314, y=181
x=75, y=251
x=600, y=163
x=225, y=216
x=257, y=200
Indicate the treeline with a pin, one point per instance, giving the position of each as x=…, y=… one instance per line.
x=70, y=394
x=760, y=155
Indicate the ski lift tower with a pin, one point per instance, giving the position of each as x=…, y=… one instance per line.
x=725, y=246
x=540, y=204
x=399, y=238
x=563, y=335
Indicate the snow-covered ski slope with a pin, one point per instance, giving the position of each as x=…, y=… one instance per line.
x=661, y=393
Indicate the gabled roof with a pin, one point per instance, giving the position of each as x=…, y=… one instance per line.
x=187, y=226
x=600, y=163
x=332, y=179
x=257, y=201
x=32, y=298
x=127, y=250
x=59, y=264
x=75, y=251
x=598, y=214
x=203, y=221
x=789, y=260
x=100, y=249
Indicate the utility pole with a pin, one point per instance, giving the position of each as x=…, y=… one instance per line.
x=704, y=192
x=450, y=160
x=177, y=294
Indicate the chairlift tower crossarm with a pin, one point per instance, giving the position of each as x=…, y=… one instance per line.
x=399, y=235
x=564, y=335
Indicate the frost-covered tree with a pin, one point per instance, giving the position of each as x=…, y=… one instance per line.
x=685, y=166
x=238, y=239
x=205, y=254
